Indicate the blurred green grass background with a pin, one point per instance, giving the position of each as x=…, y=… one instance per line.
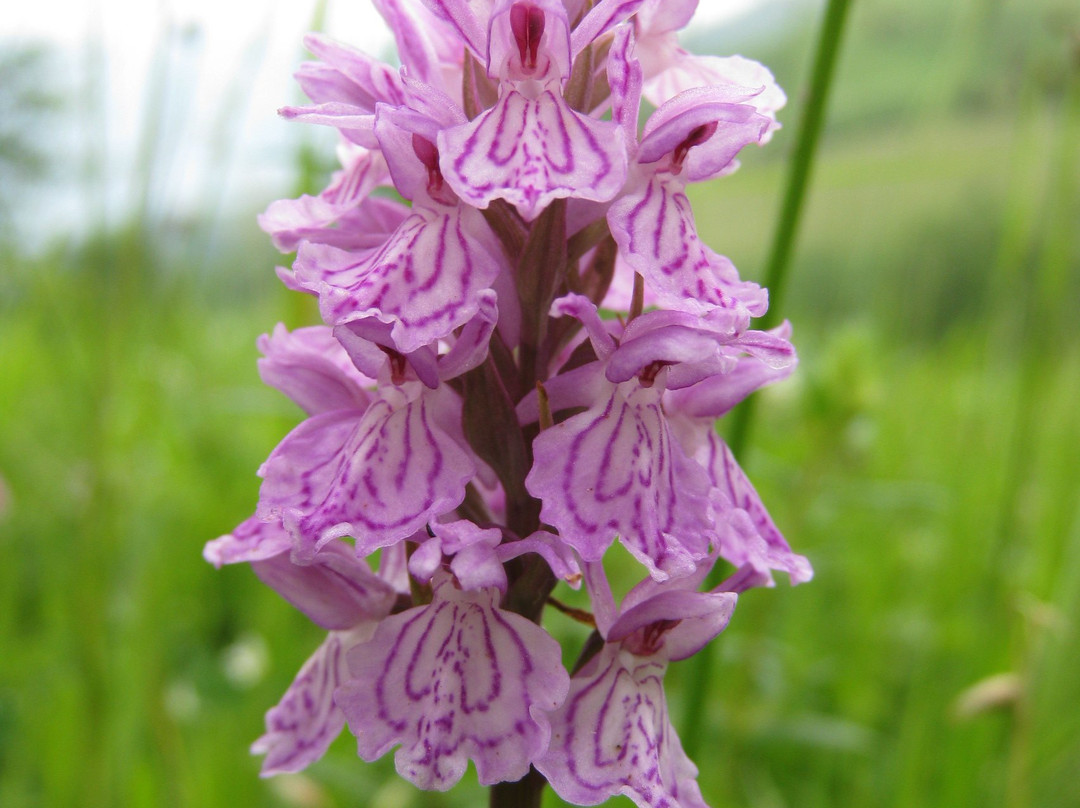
x=926, y=457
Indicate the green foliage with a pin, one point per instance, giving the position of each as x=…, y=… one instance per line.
x=924, y=458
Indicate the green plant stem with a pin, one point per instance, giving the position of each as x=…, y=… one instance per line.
x=776, y=273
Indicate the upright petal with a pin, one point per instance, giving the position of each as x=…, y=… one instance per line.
x=701, y=131
x=347, y=75
x=532, y=150
x=717, y=395
x=682, y=71
x=455, y=680
x=289, y=221
x=251, y=540
x=336, y=591
x=429, y=48
x=310, y=367
x=624, y=79
x=529, y=41
x=601, y=18
x=460, y=15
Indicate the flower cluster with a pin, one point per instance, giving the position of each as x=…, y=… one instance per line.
x=474, y=419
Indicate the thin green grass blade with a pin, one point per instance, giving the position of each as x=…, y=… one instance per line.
x=777, y=269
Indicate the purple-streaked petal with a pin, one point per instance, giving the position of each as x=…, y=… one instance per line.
x=474, y=562
x=378, y=476
x=716, y=396
x=675, y=71
x=624, y=79
x=673, y=625
x=463, y=19
x=663, y=16
x=703, y=131
x=455, y=680
x=425, y=280
x=252, y=540
x=603, y=601
x=336, y=591
x=601, y=18
x=584, y=310
x=310, y=367
x=552, y=549
x=530, y=151
x=427, y=45
x=353, y=123
x=613, y=736
x=306, y=721
x=617, y=470
x=288, y=221
x=752, y=537
x=654, y=228
x=364, y=341
x=347, y=75
x=470, y=348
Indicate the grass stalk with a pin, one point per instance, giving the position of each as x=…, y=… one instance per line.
x=776, y=273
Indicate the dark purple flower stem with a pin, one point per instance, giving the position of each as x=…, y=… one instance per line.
x=525, y=793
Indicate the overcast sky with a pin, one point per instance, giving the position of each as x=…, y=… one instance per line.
x=210, y=74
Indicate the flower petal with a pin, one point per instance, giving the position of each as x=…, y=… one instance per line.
x=288, y=221
x=454, y=680
x=546, y=57
x=530, y=151
x=552, y=549
x=305, y=722
x=462, y=18
x=336, y=591
x=347, y=75
x=425, y=280
x=252, y=540
x=624, y=79
x=673, y=624
x=616, y=470
x=751, y=538
x=654, y=228
x=354, y=123
x=310, y=367
x=428, y=46
x=601, y=18
x=378, y=476
x=676, y=71
x=613, y=736
x=716, y=396
x=683, y=125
